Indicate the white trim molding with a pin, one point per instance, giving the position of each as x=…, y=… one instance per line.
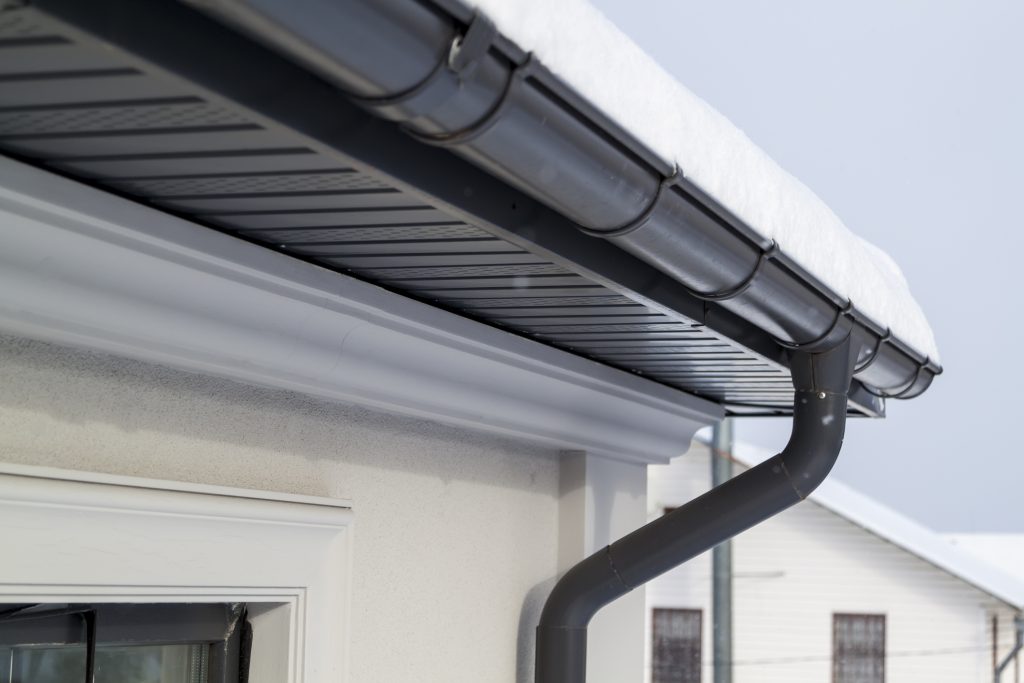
x=81, y=267
x=121, y=539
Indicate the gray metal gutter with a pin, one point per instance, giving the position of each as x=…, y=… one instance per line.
x=286, y=160
x=462, y=87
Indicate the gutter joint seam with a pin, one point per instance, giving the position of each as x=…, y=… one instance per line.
x=638, y=222
x=813, y=344
x=611, y=564
x=789, y=477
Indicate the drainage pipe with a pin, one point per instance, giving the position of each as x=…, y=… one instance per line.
x=1018, y=623
x=822, y=381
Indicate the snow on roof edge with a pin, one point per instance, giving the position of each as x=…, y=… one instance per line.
x=889, y=525
x=583, y=48
x=1003, y=549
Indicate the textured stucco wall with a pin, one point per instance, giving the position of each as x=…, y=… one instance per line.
x=456, y=532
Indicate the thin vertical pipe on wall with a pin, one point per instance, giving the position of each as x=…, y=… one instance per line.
x=995, y=641
x=1018, y=644
x=721, y=562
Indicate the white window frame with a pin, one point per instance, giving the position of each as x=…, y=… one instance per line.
x=83, y=537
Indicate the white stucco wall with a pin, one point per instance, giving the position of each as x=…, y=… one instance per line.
x=791, y=574
x=456, y=533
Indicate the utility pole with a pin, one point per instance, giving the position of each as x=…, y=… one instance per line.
x=1018, y=644
x=721, y=562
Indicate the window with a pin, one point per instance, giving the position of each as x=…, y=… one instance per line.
x=112, y=643
x=121, y=545
x=858, y=648
x=676, y=645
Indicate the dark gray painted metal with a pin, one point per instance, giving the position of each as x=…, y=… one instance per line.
x=531, y=139
x=721, y=563
x=85, y=615
x=132, y=625
x=1018, y=645
x=334, y=186
x=821, y=381
x=124, y=624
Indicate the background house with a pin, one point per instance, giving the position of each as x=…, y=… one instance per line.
x=1004, y=550
x=841, y=568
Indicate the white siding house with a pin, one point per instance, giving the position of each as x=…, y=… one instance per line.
x=839, y=553
x=1004, y=550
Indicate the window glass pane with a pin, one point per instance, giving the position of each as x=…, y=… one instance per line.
x=676, y=643
x=859, y=648
x=133, y=664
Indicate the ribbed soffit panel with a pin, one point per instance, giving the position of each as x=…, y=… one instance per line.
x=95, y=112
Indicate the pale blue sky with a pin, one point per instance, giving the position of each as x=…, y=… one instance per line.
x=906, y=118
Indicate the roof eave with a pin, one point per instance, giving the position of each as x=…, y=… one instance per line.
x=770, y=289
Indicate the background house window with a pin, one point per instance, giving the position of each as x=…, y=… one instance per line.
x=858, y=648
x=676, y=645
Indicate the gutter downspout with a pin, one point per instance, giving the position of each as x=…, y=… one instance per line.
x=822, y=381
x=1018, y=623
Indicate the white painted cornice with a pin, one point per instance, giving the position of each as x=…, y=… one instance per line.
x=82, y=267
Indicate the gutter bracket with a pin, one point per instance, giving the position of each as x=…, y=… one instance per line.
x=904, y=391
x=474, y=130
x=666, y=185
x=444, y=80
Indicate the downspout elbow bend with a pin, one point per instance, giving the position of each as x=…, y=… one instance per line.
x=821, y=382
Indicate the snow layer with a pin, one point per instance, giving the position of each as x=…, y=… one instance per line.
x=591, y=55
x=1004, y=581
x=1002, y=550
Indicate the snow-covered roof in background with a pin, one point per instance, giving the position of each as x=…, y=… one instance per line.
x=891, y=526
x=1005, y=551
x=590, y=54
